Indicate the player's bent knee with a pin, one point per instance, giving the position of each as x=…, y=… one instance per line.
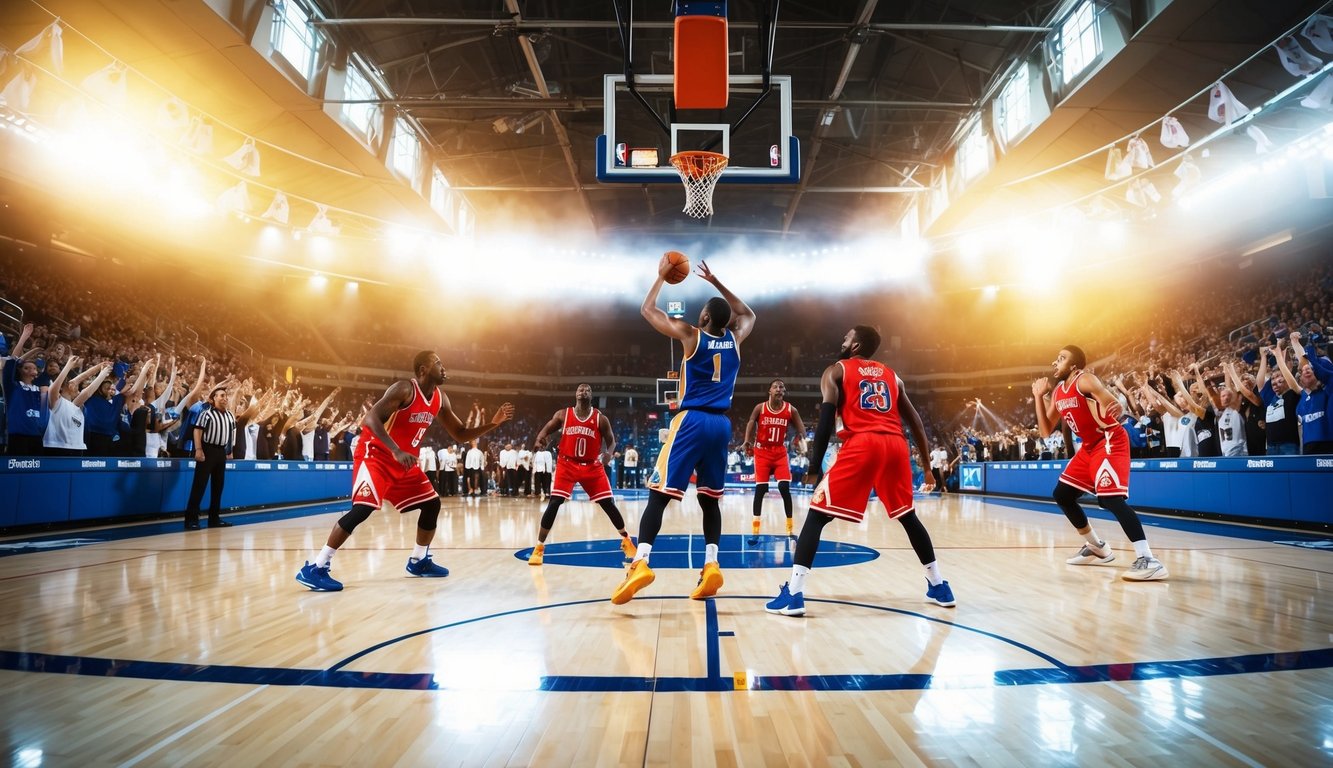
x=354, y=517
x=430, y=513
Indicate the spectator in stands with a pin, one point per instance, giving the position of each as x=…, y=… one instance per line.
x=1250, y=405
x=1281, y=424
x=26, y=407
x=64, y=430
x=542, y=466
x=1196, y=401
x=1313, y=379
x=508, y=470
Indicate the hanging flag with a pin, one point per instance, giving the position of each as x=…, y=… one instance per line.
x=1141, y=192
x=107, y=85
x=199, y=136
x=18, y=91
x=278, y=210
x=1224, y=107
x=1173, y=134
x=1321, y=96
x=1117, y=165
x=47, y=41
x=1296, y=59
x=1319, y=31
x=1189, y=176
x=320, y=225
x=236, y=198
x=1262, y=145
x=173, y=118
x=245, y=159
x=1137, y=153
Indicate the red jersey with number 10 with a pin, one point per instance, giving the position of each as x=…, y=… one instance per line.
x=581, y=439
x=869, y=398
x=408, y=425
x=772, y=426
x=1081, y=412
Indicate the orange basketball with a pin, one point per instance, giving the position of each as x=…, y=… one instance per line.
x=680, y=264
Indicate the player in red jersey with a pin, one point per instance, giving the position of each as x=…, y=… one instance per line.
x=766, y=436
x=1101, y=465
x=385, y=466
x=869, y=398
x=586, y=443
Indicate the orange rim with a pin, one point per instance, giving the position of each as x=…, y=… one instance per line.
x=699, y=164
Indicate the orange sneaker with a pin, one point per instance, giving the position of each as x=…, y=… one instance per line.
x=536, y=557
x=754, y=526
x=638, y=577
x=710, y=581
x=628, y=547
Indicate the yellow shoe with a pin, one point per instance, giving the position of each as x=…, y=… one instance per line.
x=638, y=577
x=789, y=526
x=536, y=557
x=710, y=581
x=628, y=547
x=754, y=527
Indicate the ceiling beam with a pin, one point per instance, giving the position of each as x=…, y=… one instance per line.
x=808, y=163
x=540, y=24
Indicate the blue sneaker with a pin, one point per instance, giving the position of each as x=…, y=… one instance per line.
x=787, y=604
x=426, y=567
x=940, y=595
x=318, y=579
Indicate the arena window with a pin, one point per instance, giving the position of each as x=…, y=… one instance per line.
x=1014, y=107
x=406, y=157
x=294, y=37
x=359, y=88
x=1078, y=41
x=973, y=153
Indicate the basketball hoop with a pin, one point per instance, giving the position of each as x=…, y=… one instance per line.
x=699, y=171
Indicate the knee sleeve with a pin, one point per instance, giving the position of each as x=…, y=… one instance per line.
x=808, y=542
x=1125, y=515
x=760, y=490
x=784, y=490
x=712, y=519
x=354, y=517
x=920, y=538
x=548, y=517
x=1066, y=496
x=609, y=507
x=430, y=513
x=651, y=521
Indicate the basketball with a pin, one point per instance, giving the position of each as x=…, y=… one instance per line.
x=680, y=263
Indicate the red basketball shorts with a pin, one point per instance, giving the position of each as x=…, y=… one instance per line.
x=1101, y=468
x=377, y=477
x=771, y=461
x=591, y=476
x=868, y=461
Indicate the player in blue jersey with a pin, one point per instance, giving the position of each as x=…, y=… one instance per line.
x=697, y=441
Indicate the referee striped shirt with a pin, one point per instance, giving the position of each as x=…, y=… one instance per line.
x=219, y=428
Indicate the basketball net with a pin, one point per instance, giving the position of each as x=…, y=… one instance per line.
x=699, y=171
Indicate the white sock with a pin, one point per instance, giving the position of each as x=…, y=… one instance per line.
x=1141, y=549
x=642, y=552
x=798, y=574
x=1094, y=539
x=419, y=551
x=710, y=553
x=933, y=574
x=325, y=556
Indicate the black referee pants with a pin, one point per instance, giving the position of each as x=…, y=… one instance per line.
x=212, y=468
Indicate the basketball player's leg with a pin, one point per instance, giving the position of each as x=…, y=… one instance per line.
x=763, y=470
x=893, y=486
x=1076, y=480
x=710, y=483
x=1112, y=483
x=597, y=485
x=782, y=473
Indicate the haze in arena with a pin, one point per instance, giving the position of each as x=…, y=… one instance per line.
x=358, y=407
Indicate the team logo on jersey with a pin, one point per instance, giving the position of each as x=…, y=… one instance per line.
x=364, y=491
x=1107, y=478
x=655, y=479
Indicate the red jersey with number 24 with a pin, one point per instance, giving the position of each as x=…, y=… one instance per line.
x=869, y=398
x=408, y=425
x=581, y=440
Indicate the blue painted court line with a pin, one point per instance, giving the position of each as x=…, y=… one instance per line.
x=711, y=640
x=1190, y=525
x=679, y=551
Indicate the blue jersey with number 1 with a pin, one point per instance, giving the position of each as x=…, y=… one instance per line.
x=708, y=377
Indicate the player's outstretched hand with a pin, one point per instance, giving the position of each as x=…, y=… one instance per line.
x=703, y=271
x=928, y=484
x=502, y=414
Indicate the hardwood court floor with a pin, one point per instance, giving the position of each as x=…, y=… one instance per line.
x=152, y=646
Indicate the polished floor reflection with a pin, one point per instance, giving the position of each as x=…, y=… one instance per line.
x=144, y=645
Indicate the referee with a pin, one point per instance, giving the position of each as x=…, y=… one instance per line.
x=214, y=437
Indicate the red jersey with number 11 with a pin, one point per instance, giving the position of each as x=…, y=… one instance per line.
x=771, y=431
x=581, y=439
x=869, y=398
x=408, y=425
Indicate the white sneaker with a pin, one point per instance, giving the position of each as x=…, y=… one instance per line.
x=1089, y=556
x=1145, y=569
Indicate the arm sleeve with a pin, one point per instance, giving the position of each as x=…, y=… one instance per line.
x=828, y=414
